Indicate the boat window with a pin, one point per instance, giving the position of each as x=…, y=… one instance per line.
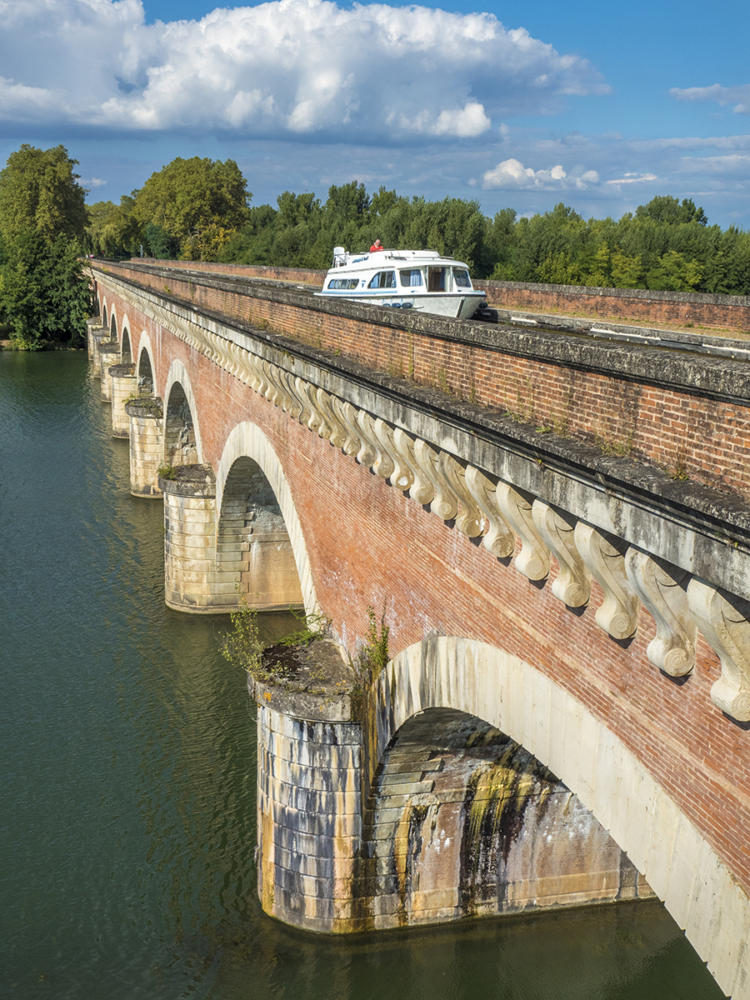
x=461, y=277
x=383, y=279
x=437, y=279
x=411, y=277
x=343, y=283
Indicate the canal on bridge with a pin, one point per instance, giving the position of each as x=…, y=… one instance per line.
x=128, y=783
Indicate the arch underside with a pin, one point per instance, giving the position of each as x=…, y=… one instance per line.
x=477, y=680
x=254, y=556
x=463, y=821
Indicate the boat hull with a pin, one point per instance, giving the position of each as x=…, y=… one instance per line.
x=452, y=304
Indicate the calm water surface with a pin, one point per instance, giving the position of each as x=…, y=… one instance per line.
x=128, y=775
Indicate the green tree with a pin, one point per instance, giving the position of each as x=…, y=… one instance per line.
x=39, y=192
x=44, y=295
x=200, y=203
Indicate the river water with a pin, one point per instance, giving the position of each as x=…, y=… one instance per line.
x=128, y=775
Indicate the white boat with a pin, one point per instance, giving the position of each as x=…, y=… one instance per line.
x=404, y=279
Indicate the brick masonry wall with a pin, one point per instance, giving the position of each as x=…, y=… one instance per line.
x=638, y=305
x=369, y=546
x=685, y=433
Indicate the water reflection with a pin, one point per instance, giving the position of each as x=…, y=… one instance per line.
x=129, y=774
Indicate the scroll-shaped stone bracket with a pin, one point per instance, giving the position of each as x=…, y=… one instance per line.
x=422, y=489
x=723, y=620
x=662, y=590
x=498, y=538
x=572, y=586
x=468, y=516
x=353, y=441
x=407, y=466
x=618, y=613
x=444, y=502
x=291, y=402
x=533, y=559
x=300, y=390
x=401, y=475
x=336, y=433
x=369, y=451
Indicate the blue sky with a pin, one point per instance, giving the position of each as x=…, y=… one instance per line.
x=513, y=104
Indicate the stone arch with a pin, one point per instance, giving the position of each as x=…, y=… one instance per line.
x=682, y=868
x=104, y=313
x=145, y=367
x=249, y=458
x=182, y=438
x=113, y=326
x=126, y=353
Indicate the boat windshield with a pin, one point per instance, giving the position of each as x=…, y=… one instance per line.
x=437, y=279
x=461, y=277
x=383, y=279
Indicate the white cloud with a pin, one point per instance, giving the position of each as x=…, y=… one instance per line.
x=633, y=178
x=738, y=97
x=511, y=173
x=286, y=67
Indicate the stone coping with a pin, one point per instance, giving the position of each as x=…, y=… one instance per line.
x=319, y=688
x=190, y=481
x=673, y=368
x=122, y=370
x=145, y=406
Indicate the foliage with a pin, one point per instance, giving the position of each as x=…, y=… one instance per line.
x=197, y=209
x=373, y=656
x=242, y=645
x=40, y=193
x=197, y=203
x=44, y=294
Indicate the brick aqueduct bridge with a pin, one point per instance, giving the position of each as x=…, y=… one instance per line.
x=556, y=528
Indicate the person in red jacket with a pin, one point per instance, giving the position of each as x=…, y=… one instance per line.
x=377, y=245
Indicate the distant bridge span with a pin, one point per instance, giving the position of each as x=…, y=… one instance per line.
x=558, y=532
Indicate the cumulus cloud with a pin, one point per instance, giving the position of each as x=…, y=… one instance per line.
x=738, y=97
x=286, y=67
x=512, y=173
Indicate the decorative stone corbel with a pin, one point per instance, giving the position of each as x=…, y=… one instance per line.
x=401, y=476
x=291, y=402
x=533, y=559
x=662, y=590
x=444, y=502
x=336, y=432
x=498, y=538
x=300, y=389
x=353, y=441
x=422, y=489
x=368, y=449
x=618, y=613
x=468, y=516
x=723, y=620
x=572, y=585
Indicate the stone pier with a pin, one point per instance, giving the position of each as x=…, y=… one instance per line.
x=124, y=385
x=109, y=355
x=146, y=445
x=458, y=820
x=189, y=538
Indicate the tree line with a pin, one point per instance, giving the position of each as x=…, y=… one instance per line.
x=200, y=209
